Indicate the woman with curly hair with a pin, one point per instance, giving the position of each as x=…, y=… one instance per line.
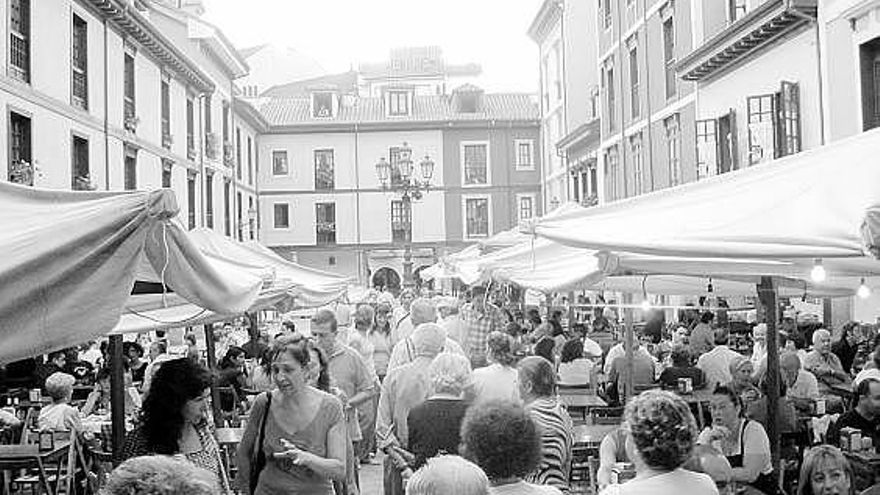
x=174, y=419
x=302, y=428
x=159, y=475
x=501, y=438
x=660, y=436
x=537, y=387
x=499, y=379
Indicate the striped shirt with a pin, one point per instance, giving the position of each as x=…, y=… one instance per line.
x=555, y=428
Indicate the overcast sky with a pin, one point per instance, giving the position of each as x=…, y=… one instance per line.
x=339, y=34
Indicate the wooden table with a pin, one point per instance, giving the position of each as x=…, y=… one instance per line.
x=580, y=399
x=698, y=398
x=29, y=455
x=229, y=436
x=590, y=436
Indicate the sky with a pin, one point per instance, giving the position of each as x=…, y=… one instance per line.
x=339, y=34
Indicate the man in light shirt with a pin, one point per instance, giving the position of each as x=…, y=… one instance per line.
x=716, y=363
x=404, y=351
x=450, y=319
x=824, y=364
x=803, y=389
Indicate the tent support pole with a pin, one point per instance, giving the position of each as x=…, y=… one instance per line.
x=628, y=391
x=570, y=310
x=768, y=297
x=212, y=365
x=117, y=396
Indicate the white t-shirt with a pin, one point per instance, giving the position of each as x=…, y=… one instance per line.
x=576, y=372
x=754, y=442
x=672, y=483
x=523, y=488
x=496, y=382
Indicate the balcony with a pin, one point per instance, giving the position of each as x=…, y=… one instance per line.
x=228, y=154
x=326, y=233
x=167, y=140
x=760, y=28
x=212, y=146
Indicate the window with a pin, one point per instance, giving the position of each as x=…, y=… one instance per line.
x=870, y=79
x=557, y=82
x=190, y=130
x=208, y=125
x=209, y=200
x=279, y=163
x=167, y=168
x=79, y=64
x=129, y=92
x=238, y=153
x=227, y=212
x=238, y=208
x=736, y=9
x=401, y=221
x=525, y=206
x=774, y=124
x=325, y=223
x=669, y=56
x=191, y=200
x=20, y=40
x=673, y=149
x=606, y=13
x=322, y=105
x=225, y=125
x=609, y=94
x=166, y=114
x=130, y=169
x=281, y=215
x=251, y=220
x=475, y=163
x=21, y=167
x=707, y=148
x=398, y=103
x=80, y=177
x=525, y=154
x=324, y=170
x=635, y=150
x=476, y=217
x=250, y=157
x=634, y=101
x=612, y=173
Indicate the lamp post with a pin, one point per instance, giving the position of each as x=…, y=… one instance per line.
x=399, y=178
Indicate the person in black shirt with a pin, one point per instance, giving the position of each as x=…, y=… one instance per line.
x=865, y=416
x=682, y=367
x=848, y=346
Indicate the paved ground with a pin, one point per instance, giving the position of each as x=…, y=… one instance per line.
x=371, y=478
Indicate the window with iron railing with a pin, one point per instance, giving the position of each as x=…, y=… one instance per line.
x=79, y=64
x=190, y=130
x=20, y=40
x=774, y=122
x=673, y=148
x=165, y=97
x=477, y=217
x=635, y=102
x=21, y=166
x=401, y=221
x=635, y=154
x=475, y=158
x=80, y=177
x=869, y=55
x=612, y=173
x=227, y=211
x=324, y=170
x=209, y=200
x=325, y=223
x=669, y=57
x=606, y=13
x=707, y=146
x=167, y=168
x=191, y=200
x=130, y=169
x=129, y=88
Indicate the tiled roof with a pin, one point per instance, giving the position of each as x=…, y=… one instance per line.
x=434, y=108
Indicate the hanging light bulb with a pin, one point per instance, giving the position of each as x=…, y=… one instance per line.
x=864, y=291
x=818, y=271
x=646, y=304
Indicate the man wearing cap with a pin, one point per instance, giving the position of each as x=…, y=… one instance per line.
x=480, y=318
x=404, y=388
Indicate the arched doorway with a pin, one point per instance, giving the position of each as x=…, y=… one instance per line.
x=388, y=279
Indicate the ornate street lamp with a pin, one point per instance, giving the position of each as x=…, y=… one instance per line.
x=399, y=178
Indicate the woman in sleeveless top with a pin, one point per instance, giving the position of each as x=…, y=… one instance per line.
x=742, y=441
x=304, y=440
x=174, y=419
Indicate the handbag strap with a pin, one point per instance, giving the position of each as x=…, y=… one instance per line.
x=263, y=421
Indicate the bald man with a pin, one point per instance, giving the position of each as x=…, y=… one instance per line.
x=803, y=388
x=824, y=364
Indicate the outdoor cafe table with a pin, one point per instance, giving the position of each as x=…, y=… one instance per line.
x=29, y=455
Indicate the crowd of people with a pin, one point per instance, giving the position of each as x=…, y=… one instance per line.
x=462, y=396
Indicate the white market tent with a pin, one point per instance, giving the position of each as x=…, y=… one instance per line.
x=71, y=260
x=287, y=286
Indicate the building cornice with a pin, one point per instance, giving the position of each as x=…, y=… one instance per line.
x=587, y=135
x=758, y=29
x=251, y=115
x=547, y=17
x=314, y=128
x=128, y=20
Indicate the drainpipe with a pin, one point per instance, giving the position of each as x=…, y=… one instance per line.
x=622, y=149
x=563, y=155
x=106, y=114
x=814, y=21
x=202, y=147
x=650, y=133
x=357, y=205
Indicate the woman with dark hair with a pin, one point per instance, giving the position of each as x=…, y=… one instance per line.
x=231, y=373
x=682, y=367
x=501, y=438
x=742, y=441
x=847, y=346
x=303, y=428
x=544, y=348
x=537, y=387
x=826, y=470
x=499, y=379
x=380, y=337
x=136, y=363
x=574, y=368
x=174, y=419
x=660, y=437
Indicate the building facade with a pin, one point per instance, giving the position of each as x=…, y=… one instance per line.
x=322, y=201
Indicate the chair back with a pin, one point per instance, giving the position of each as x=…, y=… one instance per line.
x=606, y=415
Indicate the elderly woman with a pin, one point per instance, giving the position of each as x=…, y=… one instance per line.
x=448, y=474
x=537, y=387
x=299, y=429
x=741, y=371
x=825, y=471
x=159, y=475
x=501, y=438
x=499, y=379
x=574, y=368
x=742, y=441
x=59, y=415
x=434, y=424
x=660, y=436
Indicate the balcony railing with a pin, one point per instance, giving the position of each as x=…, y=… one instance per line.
x=326, y=233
